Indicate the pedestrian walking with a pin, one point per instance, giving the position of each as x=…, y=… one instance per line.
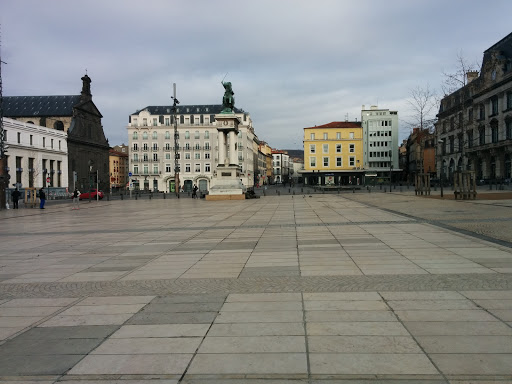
x=15, y=197
x=194, y=192
x=76, y=199
x=42, y=198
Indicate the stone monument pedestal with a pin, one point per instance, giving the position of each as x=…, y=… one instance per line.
x=226, y=183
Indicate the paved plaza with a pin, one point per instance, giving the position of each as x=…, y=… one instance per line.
x=347, y=288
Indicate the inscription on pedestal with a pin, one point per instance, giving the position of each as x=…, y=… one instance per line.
x=226, y=173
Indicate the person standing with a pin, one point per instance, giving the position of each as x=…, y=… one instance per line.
x=42, y=198
x=194, y=192
x=15, y=197
x=76, y=198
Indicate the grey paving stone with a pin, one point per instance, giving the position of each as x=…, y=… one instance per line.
x=473, y=364
x=249, y=363
x=454, y=328
x=253, y=344
x=338, y=316
x=81, y=332
x=172, y=318
x=269, y=271
x=466, y=344
x=257, y=329
x=177, y=307
x=24, y=347
x=356, y=328
x=206, y=298
x=160, y=345
x=161, y=330
x=34, y=365
x=371, y=364
x=362, y=344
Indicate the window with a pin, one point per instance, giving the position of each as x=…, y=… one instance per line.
x=44, y=140
x=135, y=147
x=155, y=156
x=145, y=157
x=196, y=135
x=155, y=121
x=351, y=148
x=481, y=112
x=352, y=161
x=19, y=137
x=167, y=135
x=312, y=162
x=197, y=146
x=312, y=148
x=326, y=161
x=145, y=146
x=155, y=146
x=182, y=119
x=144, y=136
x=508, y=129
x=207, y=146
x=32, y=140
x=187, y=168
x=509, y=100
x=312, y=136
x=325, y=135
x=167, y=146
x=206, y=134
x=198, y=168
x=325, y=148
x=167, y=156
x=470, y=139
x=338, y=148
x=155, y=169
x=339, y=162
x=470, y=114
x=134, y=121
x=207, y=168
x=187, y=134
x=481, y=136
x=207, y=155
x=494, y=106
x=187, y=156
x=146, y=169
x=494, y=132
x=135, y=157
x=197, y=156
x=452, y=144
x=338, y=135
x=135, y=136
x=167, y=121
x=155, y=135
x=136, y=169
x=145, y=122
x=187, y=146
x=168, y=168
x=351, y=135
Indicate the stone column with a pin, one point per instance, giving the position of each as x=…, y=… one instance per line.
x=232, y=148
x=222, y=148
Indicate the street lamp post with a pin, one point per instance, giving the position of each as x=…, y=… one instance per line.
x=441, y=174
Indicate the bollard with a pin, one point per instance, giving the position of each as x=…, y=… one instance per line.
x=108, y=197
x=289, y=190
x=264, y=193
x=369, y=190
x=490, y=187
x=302, y=190
x=294, y=193
x=122, y=196
x=164, y=195
x=150, y=196
x=353, y=190
x=381, y=187
x=278, y=193
x=136, y=196
x=400, y=188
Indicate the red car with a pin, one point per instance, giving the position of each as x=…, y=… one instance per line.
x=93, y=193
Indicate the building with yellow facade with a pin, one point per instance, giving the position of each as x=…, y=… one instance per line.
x=333, y=154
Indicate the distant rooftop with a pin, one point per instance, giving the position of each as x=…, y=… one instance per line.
x=339, y=124
x=181, y=109
x=20, y=106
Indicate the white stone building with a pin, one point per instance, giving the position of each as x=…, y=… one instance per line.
x=152, y=152
x=34, y=154
x=380, y=138
x=281, y=166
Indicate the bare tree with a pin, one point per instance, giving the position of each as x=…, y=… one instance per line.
x=423, y=103
x=459, y=78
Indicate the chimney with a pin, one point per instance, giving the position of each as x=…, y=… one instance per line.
x=471, y=75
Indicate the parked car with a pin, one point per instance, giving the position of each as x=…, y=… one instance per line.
x=93, y=192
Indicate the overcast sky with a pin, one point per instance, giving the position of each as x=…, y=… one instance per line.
x=292, y=63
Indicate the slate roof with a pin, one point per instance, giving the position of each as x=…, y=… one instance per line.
x=182, y=109
x=340, y=124
x=20, y=106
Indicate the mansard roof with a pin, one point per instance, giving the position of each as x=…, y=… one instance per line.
x=339, y=124
x=24, y=106
x=185, y=109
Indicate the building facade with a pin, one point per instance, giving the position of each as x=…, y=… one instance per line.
x=420, y=150
x=152, y=152
x=118, y=166
x=333, y=154
x=78, y=116
x=280, y=166
x=474, y=127
x=380, y=135
x=34, y=155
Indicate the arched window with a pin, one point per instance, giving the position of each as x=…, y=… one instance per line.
x=58, y=125
x=155, y=135
x=206, y=134
x=144, y=136
x=167, y=135
x=135, y=135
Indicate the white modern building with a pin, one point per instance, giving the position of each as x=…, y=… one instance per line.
x=34, y=154
x=380, y=138
x=152, y=152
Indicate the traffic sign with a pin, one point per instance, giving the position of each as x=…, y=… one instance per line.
x=130, y=174
x=48, y=179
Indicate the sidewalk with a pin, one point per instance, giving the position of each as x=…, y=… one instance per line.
x=350, y=288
